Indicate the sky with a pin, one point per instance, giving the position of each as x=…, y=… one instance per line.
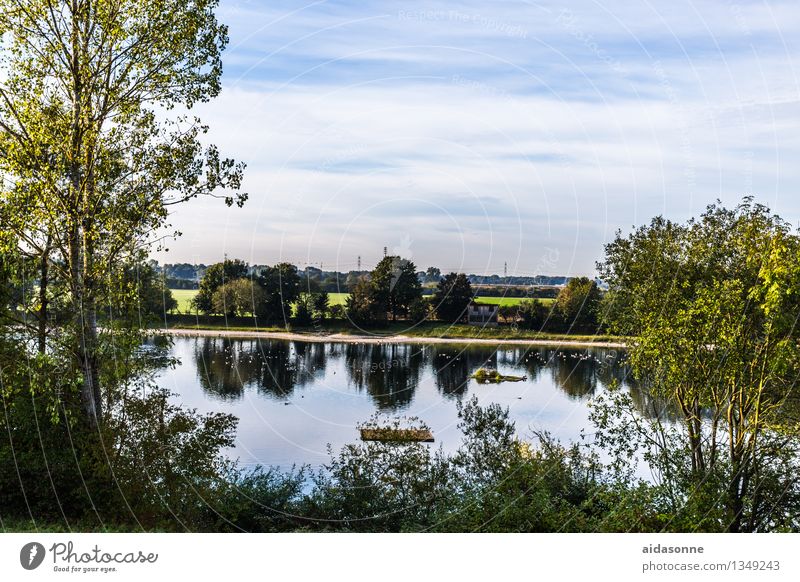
x=483, y=136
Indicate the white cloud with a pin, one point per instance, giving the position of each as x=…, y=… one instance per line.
x=493, y=148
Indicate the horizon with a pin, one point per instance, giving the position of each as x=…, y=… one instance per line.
x=520, y=134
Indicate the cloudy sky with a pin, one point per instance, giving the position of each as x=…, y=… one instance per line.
x=472, y=134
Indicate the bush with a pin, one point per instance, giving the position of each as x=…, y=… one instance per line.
x=533, y=314
x=304, y=309
x=453, y=295
x=419, y=310
x=238, y=297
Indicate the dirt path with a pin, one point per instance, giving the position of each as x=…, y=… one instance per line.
x=374, y=339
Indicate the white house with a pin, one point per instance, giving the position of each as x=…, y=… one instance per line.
x=481, y=314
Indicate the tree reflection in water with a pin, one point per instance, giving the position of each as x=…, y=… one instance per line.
x=390, y=373
x=226, y=367
x=453, y=366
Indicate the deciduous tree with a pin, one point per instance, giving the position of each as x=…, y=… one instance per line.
x=712, y=306
x=90, y=162
x=453, y=295
x=215, y=277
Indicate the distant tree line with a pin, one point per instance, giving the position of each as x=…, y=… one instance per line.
x=187, y=276
x=392, y=291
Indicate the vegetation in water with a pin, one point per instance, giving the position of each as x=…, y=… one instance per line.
x=485, y=376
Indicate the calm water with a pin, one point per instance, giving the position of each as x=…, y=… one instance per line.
x=294, y=398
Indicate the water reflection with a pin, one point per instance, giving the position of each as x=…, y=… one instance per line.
x=294, y=398
x=453, y=367
x=391, y=373
x=226, y=367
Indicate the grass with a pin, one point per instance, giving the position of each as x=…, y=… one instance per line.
x=184, y=298
x=432, y=329
x=509, y=301
x=337, y=298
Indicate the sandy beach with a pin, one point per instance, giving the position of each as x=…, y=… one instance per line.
x=376, y=339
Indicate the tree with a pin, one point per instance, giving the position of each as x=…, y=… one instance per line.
x=396, y=285
x=281, y=285
x=362, y=306
x=453, y=296
x=321, y=304
x=712, y=306
x=304, y=309
x=419, y=310
x=577, y=304
x=433, y=274
x=140, y=294
x=215, y=277
x=238, y=297
x=94, y=168
x=533, y=314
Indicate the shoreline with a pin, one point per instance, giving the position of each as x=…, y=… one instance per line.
x=375, y=339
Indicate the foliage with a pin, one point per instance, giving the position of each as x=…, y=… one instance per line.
x=338, y=312
x=237, y=297
x=321, y=303
x=484, y=376
x=379, y=486
x=90, y=169
x=453, y=296
x=432, y=274
x=165, y=459
x=362, y=306
x=419, y=310
x=149, y=465
x=281, y=285
x=258, y=500
x=304, y=309
x=713, y=307
x=533, y=314
x=577, y=305
x=215, y=277
x=139, y=295
x=395, y=285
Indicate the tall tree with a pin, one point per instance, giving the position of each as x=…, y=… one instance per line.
x=396, y=285
x=453, y=295
x=215, y=277
x=712, y=306
x=237, y=297
x=91, y=162
x=362, y=307
x=577, y=304
x=281, y=284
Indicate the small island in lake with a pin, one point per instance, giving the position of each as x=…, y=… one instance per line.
x=485, y=376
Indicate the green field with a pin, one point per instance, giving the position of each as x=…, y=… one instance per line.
x=184, y=296
x=506, y=301
x=337, y=298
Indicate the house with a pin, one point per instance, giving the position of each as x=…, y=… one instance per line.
x=480, y=314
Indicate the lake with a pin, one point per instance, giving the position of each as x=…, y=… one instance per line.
x=294, y=398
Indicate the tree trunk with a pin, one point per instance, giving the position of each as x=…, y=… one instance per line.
x=80, y=254
x=44, y=281
x=85, y=322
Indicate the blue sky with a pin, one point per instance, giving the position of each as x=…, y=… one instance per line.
x=472, y=134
